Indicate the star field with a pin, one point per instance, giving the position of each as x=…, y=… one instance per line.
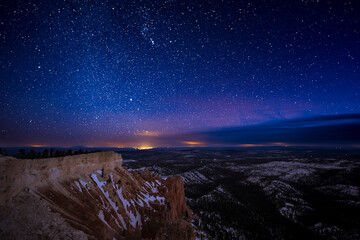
x=102, y=73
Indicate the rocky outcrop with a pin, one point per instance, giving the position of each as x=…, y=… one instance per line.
x=89, y=196
x=176, y=197
x=17, y=174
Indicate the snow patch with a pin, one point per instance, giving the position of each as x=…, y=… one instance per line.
x=129, y=160
x=83, y=183
x=194, y=177
x=136, y=169
x=78, y=185
x=101, y=216
x=98, y=182
x=106, y=194
x=134, y=219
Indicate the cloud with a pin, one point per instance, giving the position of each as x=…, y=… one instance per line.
x=320, y=130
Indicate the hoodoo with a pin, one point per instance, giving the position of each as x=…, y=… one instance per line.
x=89, y=196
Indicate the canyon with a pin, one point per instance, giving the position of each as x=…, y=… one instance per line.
x=89, y=196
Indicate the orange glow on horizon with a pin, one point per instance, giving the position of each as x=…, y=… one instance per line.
x=37, y=145
x=278, y=144
x=144, y=148
x=251, y=145
x=192, y=143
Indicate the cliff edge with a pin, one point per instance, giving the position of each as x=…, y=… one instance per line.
x=89, y=196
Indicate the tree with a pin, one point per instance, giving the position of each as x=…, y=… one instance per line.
x=22, y=153
x=45, y=153
x=69, y=152
x=5, y=153
x=57, y=153
x=52, y=152
x=32, y=154
x=1, y=151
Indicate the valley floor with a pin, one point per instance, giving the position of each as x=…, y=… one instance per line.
x=264, y=193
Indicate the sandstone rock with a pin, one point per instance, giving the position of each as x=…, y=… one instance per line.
x=89, y=196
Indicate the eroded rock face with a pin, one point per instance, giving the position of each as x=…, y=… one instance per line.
x=90, y=196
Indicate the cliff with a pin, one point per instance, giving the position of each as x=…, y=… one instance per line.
x=89, y=196
x=17, y=174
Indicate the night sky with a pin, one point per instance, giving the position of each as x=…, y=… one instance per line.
x=178, y=73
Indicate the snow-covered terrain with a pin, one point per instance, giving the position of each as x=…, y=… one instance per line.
x=266, y=193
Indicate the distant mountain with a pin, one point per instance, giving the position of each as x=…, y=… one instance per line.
x=78, y=147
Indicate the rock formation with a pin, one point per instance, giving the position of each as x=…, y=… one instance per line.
x=89, y=196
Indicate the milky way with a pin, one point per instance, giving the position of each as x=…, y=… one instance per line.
x=107, y=73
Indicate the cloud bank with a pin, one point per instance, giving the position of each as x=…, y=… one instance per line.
x=321, y=130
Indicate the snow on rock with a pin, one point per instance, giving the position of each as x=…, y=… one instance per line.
x=135, y=220
x=97, y=181
x=326, y=230
x=288, y=211
x=78, y=185
x=285, y=170
x=83, y=183
x=101, y=216
x=105, y=209
x=341, y=189
x=129, y=205
x=290, y=202
x=125, y=202
x=160, y=199
x=114, y=206
x=129, y=160
x=136, y=169
x=194, y=177
x=152, y=186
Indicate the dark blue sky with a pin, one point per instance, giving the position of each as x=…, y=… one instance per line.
x=128, y=73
